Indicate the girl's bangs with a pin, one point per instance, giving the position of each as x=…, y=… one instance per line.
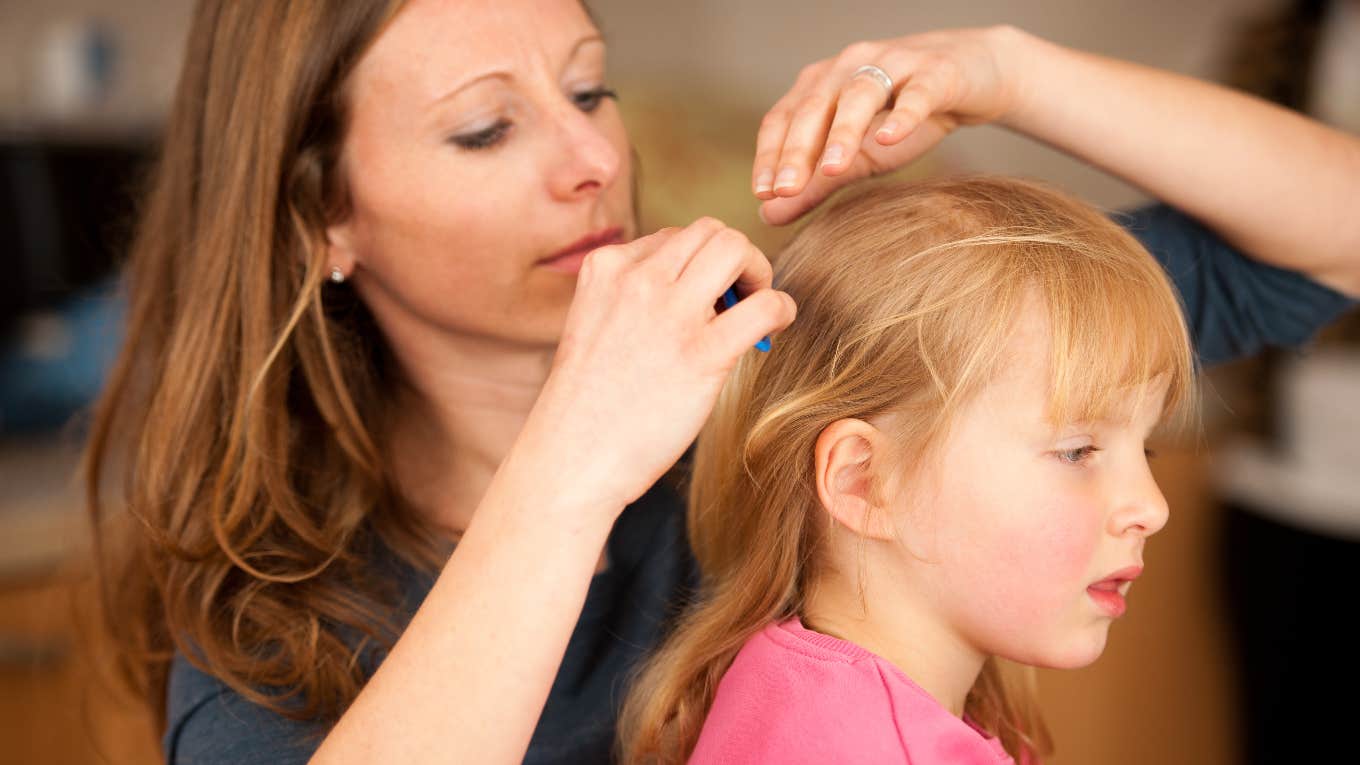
x=1113, y=331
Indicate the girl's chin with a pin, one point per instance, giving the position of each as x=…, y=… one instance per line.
x=1081, y=652
x=1075, y=653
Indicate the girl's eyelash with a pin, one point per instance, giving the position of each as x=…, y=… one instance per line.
x=586, y=100
x=1076, y=456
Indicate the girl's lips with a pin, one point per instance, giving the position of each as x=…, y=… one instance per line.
x=1109, y=601
x=1109, y=592
x=1126, y=574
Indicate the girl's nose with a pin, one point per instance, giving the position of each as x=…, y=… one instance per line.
x=1143, y=509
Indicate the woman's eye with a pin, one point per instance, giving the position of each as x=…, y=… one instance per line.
x=485, y=138
x=1076, y=456
x=589, y=100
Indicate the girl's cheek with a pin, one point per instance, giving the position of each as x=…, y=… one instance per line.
x=1051, y=547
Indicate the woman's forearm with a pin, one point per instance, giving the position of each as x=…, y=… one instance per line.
x=469, y=677
x=1282, y=188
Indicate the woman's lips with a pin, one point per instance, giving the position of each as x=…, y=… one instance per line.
x=569, y=259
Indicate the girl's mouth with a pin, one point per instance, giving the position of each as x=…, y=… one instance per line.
x=1109, y=592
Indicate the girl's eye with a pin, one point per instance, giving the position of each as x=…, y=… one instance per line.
x=1076, y=456
x=589, y=100
x=485, y=138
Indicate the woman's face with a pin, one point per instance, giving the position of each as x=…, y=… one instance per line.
x=481, y=145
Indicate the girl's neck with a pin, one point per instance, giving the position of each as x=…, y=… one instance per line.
x=898, y=626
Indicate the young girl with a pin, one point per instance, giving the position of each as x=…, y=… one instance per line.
x=940, y=467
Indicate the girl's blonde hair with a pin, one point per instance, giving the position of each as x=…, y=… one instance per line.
x=907, y=295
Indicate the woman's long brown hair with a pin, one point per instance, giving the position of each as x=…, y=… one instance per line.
x=244, y=418
x=907, y=295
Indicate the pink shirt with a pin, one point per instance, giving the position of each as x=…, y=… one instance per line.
x=797, y=696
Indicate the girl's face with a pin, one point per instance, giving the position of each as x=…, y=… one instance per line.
x=483, y=142
x=1013, y=529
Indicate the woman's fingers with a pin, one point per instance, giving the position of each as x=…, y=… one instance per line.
x=641, y=361
x=774, y=129
x=861, y=99
x=925, y=93
x=728, y=259
x=873, y=158
x=759, y=314
x=670, y=258
x=842, y=96
x=803, y=142
x=832, y=118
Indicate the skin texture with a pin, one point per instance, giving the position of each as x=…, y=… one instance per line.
x=987, y=547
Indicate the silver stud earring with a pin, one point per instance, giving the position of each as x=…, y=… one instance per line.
x=337, y=276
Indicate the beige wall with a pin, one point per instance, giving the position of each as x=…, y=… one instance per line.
x=750, y=51
x=745, y=51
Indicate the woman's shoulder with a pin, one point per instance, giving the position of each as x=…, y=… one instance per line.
x=208, y=722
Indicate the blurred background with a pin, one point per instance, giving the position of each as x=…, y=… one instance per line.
x=1235, y=646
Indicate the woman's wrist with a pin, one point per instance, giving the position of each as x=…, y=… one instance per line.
x=536, y=484
x=1023, y=61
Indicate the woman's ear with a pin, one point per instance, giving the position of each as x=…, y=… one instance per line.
x=851, y=457
x=341, y=253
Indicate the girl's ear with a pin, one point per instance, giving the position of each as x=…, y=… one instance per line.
x=851, y=470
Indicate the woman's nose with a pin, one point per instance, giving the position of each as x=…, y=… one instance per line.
x=586, y=161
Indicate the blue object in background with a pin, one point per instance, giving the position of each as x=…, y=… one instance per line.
x=55, y=364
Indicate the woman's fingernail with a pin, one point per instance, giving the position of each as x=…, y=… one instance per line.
x=760, y=213
x=787, y=177
x=887, y=131
x=764, y=181
x=833, y=155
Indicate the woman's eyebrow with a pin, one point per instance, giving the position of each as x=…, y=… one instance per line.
x=510, y=76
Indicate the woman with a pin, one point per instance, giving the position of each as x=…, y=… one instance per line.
x=386, y=296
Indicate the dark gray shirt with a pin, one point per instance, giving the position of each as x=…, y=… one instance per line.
x=1234, y=307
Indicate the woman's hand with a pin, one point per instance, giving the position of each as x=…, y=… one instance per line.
x=833, y=128
x=644, y=354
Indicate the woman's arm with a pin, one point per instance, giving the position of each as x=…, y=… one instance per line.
x=639, y=367
x=1271, y=182
x=1280, y=187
